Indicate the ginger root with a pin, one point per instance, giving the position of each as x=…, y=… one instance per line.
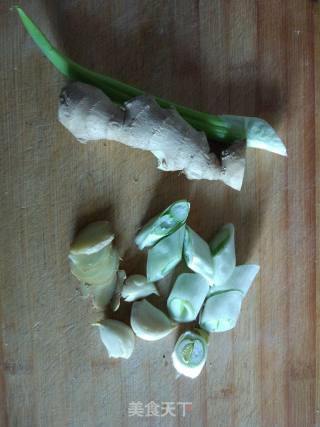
x=141, y=123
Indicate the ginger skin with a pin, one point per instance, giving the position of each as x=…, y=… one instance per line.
x=141, y=123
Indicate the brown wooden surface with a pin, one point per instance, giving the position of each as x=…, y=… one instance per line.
x=245, y=57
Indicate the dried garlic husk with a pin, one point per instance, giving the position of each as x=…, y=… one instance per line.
x=149, y=323
x=223, y=254
x=187, y=296
x=197, y=255
x=190, y=353
x=137, y=287
x=165, y=255
x=163, y=224
x=117, y=337
x=115, y=301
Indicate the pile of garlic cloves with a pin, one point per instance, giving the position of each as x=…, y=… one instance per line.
x=210, y=290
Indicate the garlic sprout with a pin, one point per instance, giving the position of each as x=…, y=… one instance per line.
x=163, y=224
x=222, y=308
x=137, y=287
x=187, y=296
x=223, y=254
x=258, y=133
x=94, y=261
x=165, y=255
x=190, y=353
x=148, y=322
x=221, y=311
x=197, y=255
x=117, y=337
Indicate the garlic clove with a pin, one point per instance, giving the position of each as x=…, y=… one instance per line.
x=190, y=353
x=223, y=254
x=165, y=255
x=92, y=238
x=149, y=323
x=187, y=296
x=197, y=255
x=163, y=224
x=117, y=337
x=137, y=287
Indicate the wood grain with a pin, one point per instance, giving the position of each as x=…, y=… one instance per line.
x=248, y=57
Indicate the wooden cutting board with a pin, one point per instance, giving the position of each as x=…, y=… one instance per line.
x=246, y=57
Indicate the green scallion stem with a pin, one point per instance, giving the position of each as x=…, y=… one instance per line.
x=214, y=127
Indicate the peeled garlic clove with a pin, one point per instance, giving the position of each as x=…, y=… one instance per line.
x=221, y=311
x=92, y=238
x=148, y=322
x=137, y=287
x=117, y=337
x=163, y=224
x=165, y=255
x=187, y=296
x=223, y=254
x=190, y=353
x=115, y=301
x=197, y=255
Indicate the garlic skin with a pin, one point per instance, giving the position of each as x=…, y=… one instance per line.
x=149, y=323
x=187, y=296
x=190, y=353
x=117, y=337
x=223, y=254
x=197, y=255
x=165, y=255
x=116, y=298
x=163, y=224
x=136, y=287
